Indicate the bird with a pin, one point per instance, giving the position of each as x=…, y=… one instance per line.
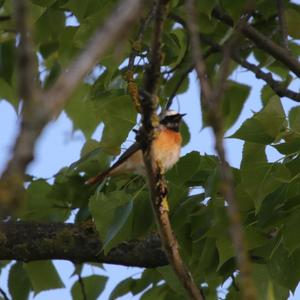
x=165, y=149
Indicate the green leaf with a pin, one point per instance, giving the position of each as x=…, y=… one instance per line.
x=284, y=268
x=43, y=276
x=120, y=217
x=292, y=19
x=122, y=288
x=92, y=160
x=206, y=6
x=266, y=94
x=39, y=204
x=19, y=285
x=185, y=133
x=93, y=287
x=142, y=214
x=289, y=234
x=234, y=8
x=135, y=286
x=266, y=288
x=233, y=101
x=291, y=146
x=105, y=210
x=156, y=292
x=7, y=60
x=67, y=48
x=44, y=3
x=294, y=119
x=182, y=172
x=82, y=111
x=172, y=83
x=264, y=126
x=174, y=48
x=8, y=93
x=206, y=24
x=69, y=190
x=49, y=26
x=171, y=280
x=225, y=249
x=268, y=176
x=118, y=122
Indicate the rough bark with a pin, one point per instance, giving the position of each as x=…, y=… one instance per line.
x=29, y=241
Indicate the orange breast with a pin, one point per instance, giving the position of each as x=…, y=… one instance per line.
x=167, y=139
x=166, y=148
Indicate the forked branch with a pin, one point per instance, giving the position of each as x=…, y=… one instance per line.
x=156, y=181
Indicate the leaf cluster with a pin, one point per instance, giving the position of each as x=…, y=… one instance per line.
x=267, y=192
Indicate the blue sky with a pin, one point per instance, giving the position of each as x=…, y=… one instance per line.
x=59, y=146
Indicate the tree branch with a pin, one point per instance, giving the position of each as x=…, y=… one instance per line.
x=156, y=181
x=28, y=92
x=79, y=243
x=4, y=295
x=52, y=101
x=210, y=51
x=277, y=86
x=262, y=42
x=82, y=287
x=211, y=97
x=136, y=48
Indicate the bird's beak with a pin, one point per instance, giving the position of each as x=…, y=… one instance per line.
x=182, y=115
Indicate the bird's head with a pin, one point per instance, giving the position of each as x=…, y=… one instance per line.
x=171, y=119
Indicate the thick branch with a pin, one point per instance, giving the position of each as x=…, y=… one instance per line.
x=262, y=42
x=156, y=181
x=28, y=92
x=28, y=241
x=211, y=96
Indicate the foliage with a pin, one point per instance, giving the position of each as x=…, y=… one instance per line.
x=268, y=193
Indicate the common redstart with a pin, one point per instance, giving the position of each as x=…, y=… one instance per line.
x=165, y=149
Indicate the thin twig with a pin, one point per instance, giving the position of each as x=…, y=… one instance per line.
x=210, y=99
x=156, y=181
x=136, y=49
x=277, y=86
x=210, y=51
x=4, y=294
x=143, y=27
x=82, y=287
x=262, y=42
x=177, y=86
x=282, y=24
x=52, y=101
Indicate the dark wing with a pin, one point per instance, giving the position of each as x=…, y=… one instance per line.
x=131, y=150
